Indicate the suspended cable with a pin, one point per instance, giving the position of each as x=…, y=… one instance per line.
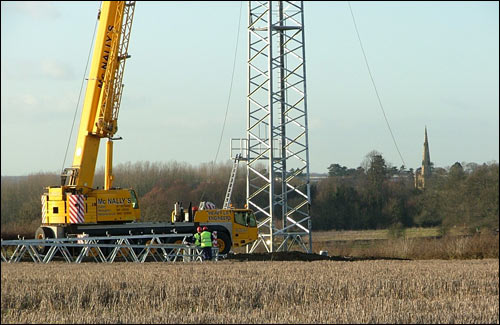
x=375, y=87
x=80, y=94
x=228, y=100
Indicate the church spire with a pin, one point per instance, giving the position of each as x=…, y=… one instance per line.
x=422, y=174
x=426, y=161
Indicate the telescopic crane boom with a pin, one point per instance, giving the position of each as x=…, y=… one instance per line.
x=103, y=95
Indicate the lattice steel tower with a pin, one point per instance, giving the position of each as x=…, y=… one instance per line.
x=276, y=145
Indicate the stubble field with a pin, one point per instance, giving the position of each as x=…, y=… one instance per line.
x=381, y=291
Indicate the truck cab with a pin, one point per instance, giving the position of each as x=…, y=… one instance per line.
x=235, y=227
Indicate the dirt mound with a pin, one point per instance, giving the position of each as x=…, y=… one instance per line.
x=297, y=256
x=284, y=256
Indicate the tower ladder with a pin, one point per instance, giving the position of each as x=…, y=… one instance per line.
x=227, y=199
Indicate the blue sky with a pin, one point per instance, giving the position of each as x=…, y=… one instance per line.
x=435, y=64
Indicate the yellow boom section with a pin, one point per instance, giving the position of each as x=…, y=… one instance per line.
x=98, y=120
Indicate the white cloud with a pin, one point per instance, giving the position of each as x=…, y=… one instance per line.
x=37, y=9
x=56, y=70
x=29, y=100
x=21, y=69
x=33, y=106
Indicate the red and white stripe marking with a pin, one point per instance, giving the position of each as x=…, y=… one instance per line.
x=44, y=209
x=76, y=209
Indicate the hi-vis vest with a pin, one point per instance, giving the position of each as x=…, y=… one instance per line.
x=197, y=238
x=206, y=239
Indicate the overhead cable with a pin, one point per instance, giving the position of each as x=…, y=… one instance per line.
x=374, y=86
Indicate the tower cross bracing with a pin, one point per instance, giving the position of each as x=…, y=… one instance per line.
x=276, y=145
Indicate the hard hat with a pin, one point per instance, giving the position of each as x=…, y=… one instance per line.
x=205, y=228
x=198, y=229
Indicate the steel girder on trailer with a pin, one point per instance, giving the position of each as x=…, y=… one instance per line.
x=105, y=249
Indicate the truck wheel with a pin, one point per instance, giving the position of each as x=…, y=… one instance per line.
x=43, y=233
x=223, y=242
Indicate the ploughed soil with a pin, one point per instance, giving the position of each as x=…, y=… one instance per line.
x=298, y=256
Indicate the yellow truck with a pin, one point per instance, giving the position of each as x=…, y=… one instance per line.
x=76, y=207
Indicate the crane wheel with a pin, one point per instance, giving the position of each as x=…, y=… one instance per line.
x=223, y=242
x=43, y=233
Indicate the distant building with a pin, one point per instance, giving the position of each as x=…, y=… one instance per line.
x=315, y=177
x=422, y=174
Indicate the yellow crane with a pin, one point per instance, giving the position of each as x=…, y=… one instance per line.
x=76, y=207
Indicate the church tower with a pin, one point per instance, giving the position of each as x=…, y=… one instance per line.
x=423, y=173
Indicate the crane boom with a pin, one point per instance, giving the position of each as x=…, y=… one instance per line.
x=103, y=94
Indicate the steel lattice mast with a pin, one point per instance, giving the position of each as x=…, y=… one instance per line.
x=276, y=146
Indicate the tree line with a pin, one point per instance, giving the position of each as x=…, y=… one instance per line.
x=374, y=195
x=377, y=195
